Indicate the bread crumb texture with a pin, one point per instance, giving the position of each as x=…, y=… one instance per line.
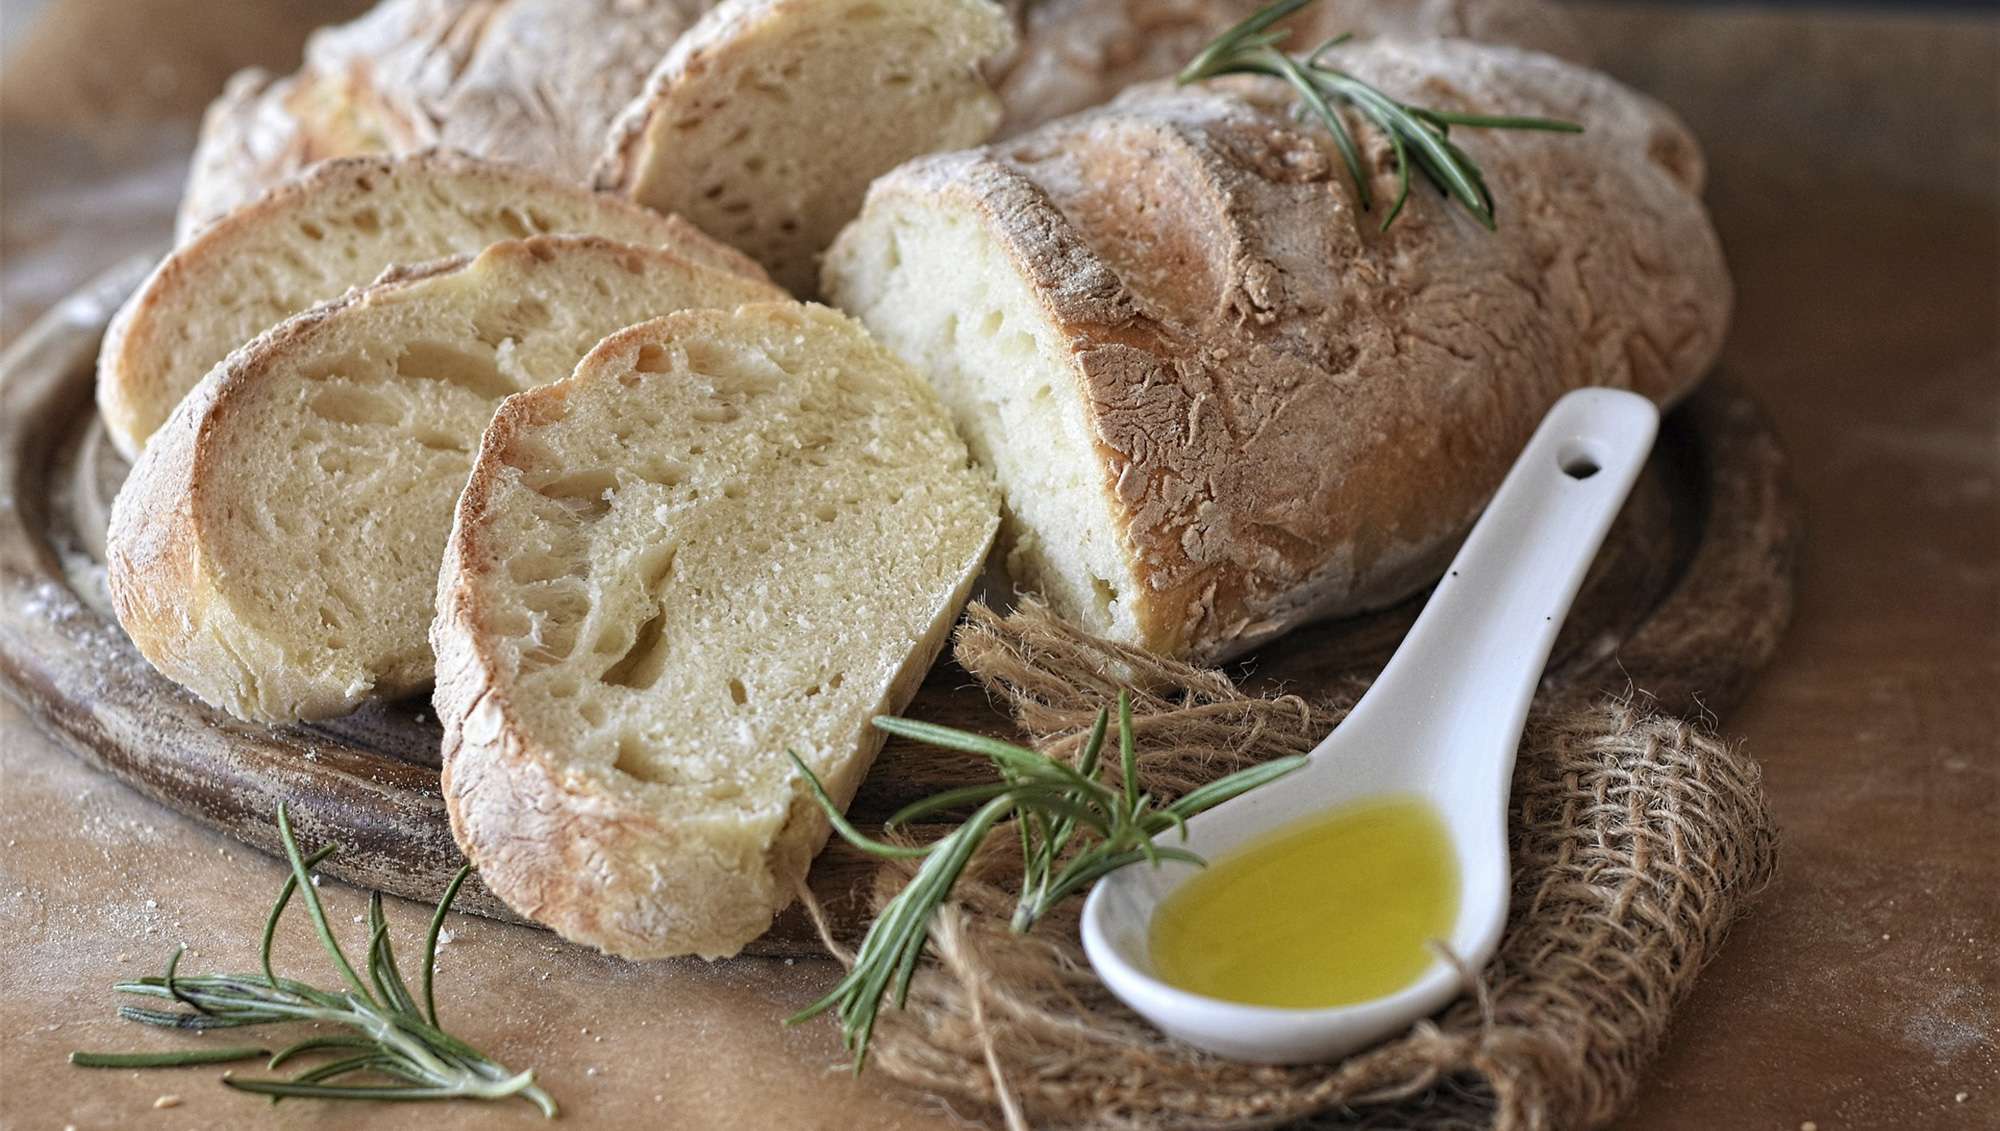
x=276, y=547
x=729, y=535
x=766, y=121
x=339, y=225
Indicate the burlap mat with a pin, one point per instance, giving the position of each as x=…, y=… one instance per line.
x=1636, y=840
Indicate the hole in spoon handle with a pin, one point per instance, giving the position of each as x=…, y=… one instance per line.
x=1478, y=649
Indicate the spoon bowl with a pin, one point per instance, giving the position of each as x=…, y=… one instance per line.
x=1441, y=724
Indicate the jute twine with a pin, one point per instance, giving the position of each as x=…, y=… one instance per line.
x=1636, y=840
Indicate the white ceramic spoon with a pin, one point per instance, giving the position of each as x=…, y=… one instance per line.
x=1441, y=723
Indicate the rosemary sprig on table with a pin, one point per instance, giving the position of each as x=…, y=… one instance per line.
x=391, y=1038
x=1417, y=135
x=1074, y=829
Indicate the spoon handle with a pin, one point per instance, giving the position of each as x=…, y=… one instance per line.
x=1463, y=677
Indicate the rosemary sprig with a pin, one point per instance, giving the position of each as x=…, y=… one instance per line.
x=405, y=1050
x=1073, y=828
x=1416, y=135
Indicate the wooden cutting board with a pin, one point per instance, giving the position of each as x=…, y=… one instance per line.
x=1685, y=604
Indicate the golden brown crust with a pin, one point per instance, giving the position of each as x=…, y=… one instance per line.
x=1076, y=54
x=536, y=82
x=1297, y=413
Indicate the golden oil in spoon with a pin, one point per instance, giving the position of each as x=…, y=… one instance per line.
x=1333, y=909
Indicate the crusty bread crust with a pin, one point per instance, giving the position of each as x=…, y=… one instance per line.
x=536, y=82
x=579, y=846
x=139, y=379
x=181, y=607
x=1296, y=413
x=1077, y=54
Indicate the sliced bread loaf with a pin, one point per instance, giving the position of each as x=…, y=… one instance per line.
x=275, y=547
x=766, y=121
x=1221, y=401
x=339, y=225
x=728, y=535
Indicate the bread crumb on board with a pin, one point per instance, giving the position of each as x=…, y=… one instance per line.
x=167, y=1100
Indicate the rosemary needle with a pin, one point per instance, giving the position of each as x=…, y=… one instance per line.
x=388, y=1038
x=1073, y=829
x=1417, y=135
x=179, y=1059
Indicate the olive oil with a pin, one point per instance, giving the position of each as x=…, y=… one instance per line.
x=1333, y=909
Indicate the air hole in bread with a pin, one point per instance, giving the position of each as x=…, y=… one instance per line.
x=527, y=568
x=438, y=440
x=991, y=323
x=738, y=694
x=640, y=667
x=663, y=470
x=586, y=493
x=511, y=220
x=653, y=359
x=634, y=762
x=367, y=221
x=654, y=567
x=312, y=231
x=512, y=624
x=336, y=367
x=592, y=712
x=345, y=404
x=436, y=361
x=716, y=413
x=517, y=321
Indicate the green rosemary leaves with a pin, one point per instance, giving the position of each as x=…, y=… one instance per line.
x=389, y=1037
x=1073, y=829
x=1417, y=136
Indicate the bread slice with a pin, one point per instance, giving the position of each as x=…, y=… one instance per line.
x=729, y=534
x=532, y=82
x=339, y=225
x=275, y=547
x=766, y=121
x=1221, y=400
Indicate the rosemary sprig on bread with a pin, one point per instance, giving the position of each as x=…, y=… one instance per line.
x=1417, y=135
x=390, y=1037
x=1074, y=829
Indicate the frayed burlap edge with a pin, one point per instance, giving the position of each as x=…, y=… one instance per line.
x=1636, y=840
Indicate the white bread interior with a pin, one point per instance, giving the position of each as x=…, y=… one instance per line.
x=728, y=535
x=928, y=277
x=339, y=225
x=275, y=547
x=765, y=123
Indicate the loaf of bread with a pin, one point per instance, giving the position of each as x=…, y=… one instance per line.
x=766, y=121
x=1076, y=54
x=339, y=225
x=276, y=546
x=533, y=82
x=763, y=122
x=1218, y=398
x=728, y=535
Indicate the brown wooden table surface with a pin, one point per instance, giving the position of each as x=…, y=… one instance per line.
x=1856, y=181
